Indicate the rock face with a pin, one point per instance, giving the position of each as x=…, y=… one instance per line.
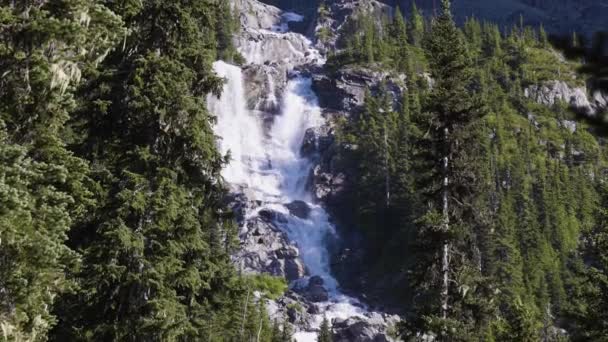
x=299, y=209
x=370, y=329
x=266, y=249
x=342, y=94
x=316, y=140
x=257, y=15
x=315, y=290
x=553, y=92
x=345, y=89
x=263, y=86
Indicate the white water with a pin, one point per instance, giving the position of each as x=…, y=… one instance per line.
x=269, y=164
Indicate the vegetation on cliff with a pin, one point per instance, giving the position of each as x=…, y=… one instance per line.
x=481, y=204
x=112, y=222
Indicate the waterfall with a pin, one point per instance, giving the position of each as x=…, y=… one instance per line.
x=269, y=165
x=241, y=136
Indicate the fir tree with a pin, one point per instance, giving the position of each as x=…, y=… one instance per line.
x=451, y=110
x=416, y=29
x=156, y=251
x=398, y=34
x=45, y=51
x=325, y=334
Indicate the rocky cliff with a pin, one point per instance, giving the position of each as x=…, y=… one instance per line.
x=274, y=53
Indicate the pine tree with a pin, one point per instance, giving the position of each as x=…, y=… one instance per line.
x=399, y=39
x=592, y=322
x=369, y=39
x=156, y=250
x=450, y=111
x=46, y=49
x=325, y=334
x=416, y=29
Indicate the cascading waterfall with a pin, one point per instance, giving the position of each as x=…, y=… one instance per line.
x=270, y=166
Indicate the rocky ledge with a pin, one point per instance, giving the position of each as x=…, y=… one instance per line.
x=552, y=92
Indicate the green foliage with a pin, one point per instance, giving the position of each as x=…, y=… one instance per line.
x=376, y=42
x=111, y=219
x=523, y=188
x=44, y=189
x=325, y=334
x=227, y=24
x=272, y=287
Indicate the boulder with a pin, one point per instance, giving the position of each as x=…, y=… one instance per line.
x=295, y=308
x=294, y=269
x=357, y=329
x=569, y=125
x=299, y=209
x=288, y=252
x=265, y=248
x=316, y=140
x=315, y=290
x=327, y=185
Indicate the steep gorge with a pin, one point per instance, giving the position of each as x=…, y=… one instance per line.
x=268, y=120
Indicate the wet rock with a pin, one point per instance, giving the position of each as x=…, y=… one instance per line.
x=264, y=85
x=272, y=216
x=294, y=269
x=299, y=209
x=316, y=140
x=313, y=309
x=357, y=329
x=267, y=249
x=316, y=281
x=288, y=252
x=315, y=291
x=262, y=46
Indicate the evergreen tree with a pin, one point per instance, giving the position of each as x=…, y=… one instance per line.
x=325, y=334
x=156, y=249
x=591, y=323
x=416, y=29
x=45, y=50
x=398, y=34
x=448, y=183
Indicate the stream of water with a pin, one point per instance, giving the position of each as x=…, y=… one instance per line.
x=268, y=162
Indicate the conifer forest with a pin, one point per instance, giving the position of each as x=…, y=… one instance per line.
x=304, y=170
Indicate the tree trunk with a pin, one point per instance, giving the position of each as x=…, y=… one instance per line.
x=260, y=329
x=244, y=314
x=387, y=181
x=445, y=260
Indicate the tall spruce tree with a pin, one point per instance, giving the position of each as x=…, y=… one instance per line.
x=416, y=29
x=446, y=274
x=398, y=34
x=325, y=334
x=46, y=48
